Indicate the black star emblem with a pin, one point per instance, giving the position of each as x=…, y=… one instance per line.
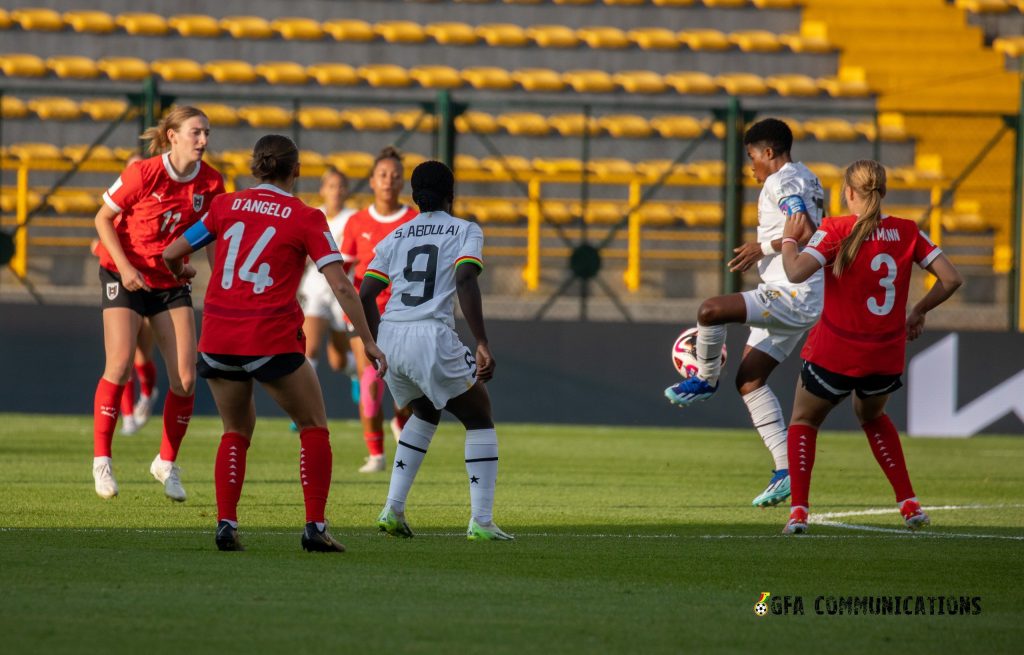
x=474, y=480
x=400, y=464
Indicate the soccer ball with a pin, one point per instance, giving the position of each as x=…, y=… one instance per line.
x=684, y=353
x=760, y=609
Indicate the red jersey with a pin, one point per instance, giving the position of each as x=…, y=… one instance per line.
x=863, y=326
x=264, y=235
x=363, y=232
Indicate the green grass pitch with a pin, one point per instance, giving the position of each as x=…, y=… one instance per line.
x=628, y=540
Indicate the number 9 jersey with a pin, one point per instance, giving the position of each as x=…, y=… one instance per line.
x=862, y=330
x=263, y=236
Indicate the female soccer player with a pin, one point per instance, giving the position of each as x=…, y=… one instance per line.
x=158, y=199
x=859, y=343
x=427, y=261
x=252, y=328
x=362, y=232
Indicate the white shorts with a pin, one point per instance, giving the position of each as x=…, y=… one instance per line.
x=425, y=358
x=325, y=306
x=778, y=318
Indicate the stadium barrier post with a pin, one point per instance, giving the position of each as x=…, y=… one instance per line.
x=632, y=274
x=445, y=129
x=733, y=193
x=531, y=272
x=1017, y=224
x=149, y=98
x=19, y=263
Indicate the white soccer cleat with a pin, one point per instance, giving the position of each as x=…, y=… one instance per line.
x=144, y=408
x=396, y=429
x=374, y=464
x=128, y=425
x=486, y=532
x=168, y=474
x=103, y=474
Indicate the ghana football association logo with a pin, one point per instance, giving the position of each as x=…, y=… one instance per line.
x=761, y=606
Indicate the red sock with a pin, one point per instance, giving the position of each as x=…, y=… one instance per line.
x=374, y=442
x=800, y=442
x=315, y=463
x=128, y=398
x=229, y=474
x=147, y=377
x=885, y=444
x=177, y=414
x=402, y=419
x=104, y=416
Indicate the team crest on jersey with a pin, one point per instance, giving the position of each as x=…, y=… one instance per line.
x=197, y=201
x=113, y=288
x=818, y=237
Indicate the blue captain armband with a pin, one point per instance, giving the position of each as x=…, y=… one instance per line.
x=198, y=236
x=792, y=205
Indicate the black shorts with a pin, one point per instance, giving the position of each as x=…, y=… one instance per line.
x=142, y=302
x=241, y=368
x=823, y=383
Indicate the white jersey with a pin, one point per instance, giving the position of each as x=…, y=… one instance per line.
x=419, y=260
x=314, y=284
x=793, y=179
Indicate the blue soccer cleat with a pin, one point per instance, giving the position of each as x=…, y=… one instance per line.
x=776, y=491
x=690, y=390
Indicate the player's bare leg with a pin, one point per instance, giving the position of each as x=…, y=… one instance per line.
x=237, y=409
x=371, y=411
x=120, y=330
x=175, y=331
x=766, y=416
x=714, y=314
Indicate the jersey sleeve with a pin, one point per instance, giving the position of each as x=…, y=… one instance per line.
x=925, y=251
x=824, y=243
x=788, y=194
x=319, y=242
x=127, y=190
x=348, y=241
x=381, y=262
x=472, y=247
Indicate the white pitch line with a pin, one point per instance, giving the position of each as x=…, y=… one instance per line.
x=893, y=510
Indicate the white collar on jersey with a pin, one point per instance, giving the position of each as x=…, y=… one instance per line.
x=166, y=158
x=390, y=218
x=270, y=187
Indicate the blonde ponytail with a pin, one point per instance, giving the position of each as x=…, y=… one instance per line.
x=172, y=120
x=867, y=179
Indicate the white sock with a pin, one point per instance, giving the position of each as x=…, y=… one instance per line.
x=313, y=361
x=766, y=414
x=710, y=339
x=482, y=468
x=412, y=448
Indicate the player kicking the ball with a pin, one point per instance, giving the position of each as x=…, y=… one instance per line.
x=777, y=311
x=426, y=261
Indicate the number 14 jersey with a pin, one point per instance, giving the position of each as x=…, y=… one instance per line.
x=419, y=260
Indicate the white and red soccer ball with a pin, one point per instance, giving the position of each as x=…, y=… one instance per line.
x=684, y=353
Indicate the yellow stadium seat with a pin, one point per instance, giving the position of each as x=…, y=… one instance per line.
x=95, y=22
x=373, y=119
x=507, y=165
x=5, y=19
x=605, y=212
x=400, y=31
x=755, y=41
x=627, y=126
x=19, y=65
x=558, y=165
x=678, y=127
x=812, y=38
x=656, y=213
x=776, y=4
x=311, y=158
x=452, y=33
x=487, y=77
x=73, y=67
x=893, y=126
x=1011, y=46
x=983, y=6
x=640, y=81
x=143, y=24
x=795, y=126
x=707, y=170
x=538, y=79
x=691, y=82
x=35, y=151
x=265, y=116
x=704, y=39
x=319, y=118
x=220, y=115
x=96, y=153
x=436, y=77
x=103, y=109
x=611, y=167
x=349, y=29
x=502, y=34
x=726, y=4
x=124, y=68
x=831, y=129
x=178, y=70
x=74, y=202
x=416, y=119
x=298, y=29
x=384, y=75
x=793, y=85
x=701, y=214
x=282, y=72
x=553, y=36
x=497, y=210
x=825, y=170
x=38, y=20
x=672, y=3
x=524, y=124
x=654, y=38
x=573, y=124
x=625, y=3
x=195, y=25
x=466, y=164
x=589, y=81
x=524, y=2
x=746, y=84
x=239, y=159
x=603, y=37
x=333, y=74
x=850, y=82
x=11, y=107
x=230, y=71
x=246, y=27
x=410, y=160
x=476, y=122
x=573, y=2
x=966, y=215
x=557, y=211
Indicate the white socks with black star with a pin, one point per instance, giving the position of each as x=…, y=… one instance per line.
x=710, y=339
x=409, y=454
x=767, y=417
x=482, y=468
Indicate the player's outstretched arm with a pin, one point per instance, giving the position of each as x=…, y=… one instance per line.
x=949, y=280
x=349, y=300
x=749, y=254
x=472, y=308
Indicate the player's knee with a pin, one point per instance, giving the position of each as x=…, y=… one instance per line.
x=186, y=385
x=708, y=313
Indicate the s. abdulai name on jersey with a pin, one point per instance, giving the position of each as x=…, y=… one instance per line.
x=427, y=230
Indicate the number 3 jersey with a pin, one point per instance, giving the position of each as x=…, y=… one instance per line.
x=263, y=236
x=419, y=260
x=862, y=330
